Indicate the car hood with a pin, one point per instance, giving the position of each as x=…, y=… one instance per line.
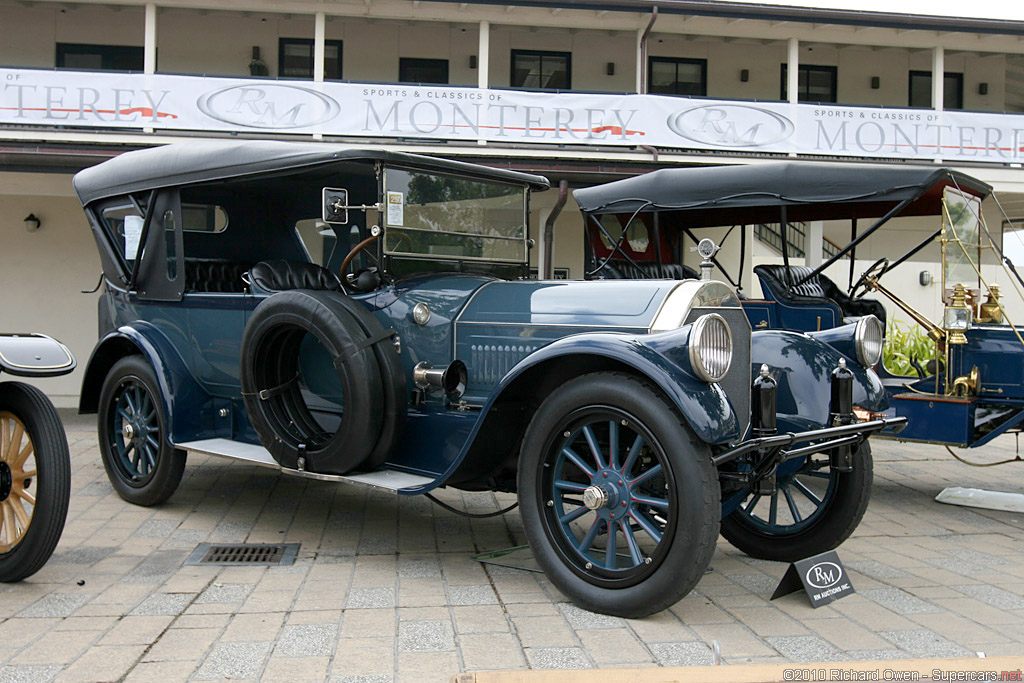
x=631, y=304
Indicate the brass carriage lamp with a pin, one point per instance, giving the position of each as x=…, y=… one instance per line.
x=957, y=317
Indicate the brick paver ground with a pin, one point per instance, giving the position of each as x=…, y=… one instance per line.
x=384, y=587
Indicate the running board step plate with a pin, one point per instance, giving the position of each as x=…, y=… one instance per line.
x=392, y=480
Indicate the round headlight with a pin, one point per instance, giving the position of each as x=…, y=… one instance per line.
x=710, y=347
x=868, y=341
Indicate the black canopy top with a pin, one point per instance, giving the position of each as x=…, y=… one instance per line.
x=193, y=162
x=753, y=193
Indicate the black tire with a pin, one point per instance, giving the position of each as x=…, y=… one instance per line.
x=663, y=454
x=842, y=500
x=365, y=425
x=50, y=487
x=142, y=465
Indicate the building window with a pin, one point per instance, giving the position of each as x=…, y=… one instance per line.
x=99, y=57
x=412, y=70
x=295, y=58
x=677, y=76
x=815, y=84
x=921, y=90
x=541, y=70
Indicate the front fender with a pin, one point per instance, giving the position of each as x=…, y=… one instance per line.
x=802, y=365
x=183, y=398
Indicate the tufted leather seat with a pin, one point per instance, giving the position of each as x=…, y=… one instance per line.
x=214, y=275
x=624, y=270
x=818, y=290
x=279, y=275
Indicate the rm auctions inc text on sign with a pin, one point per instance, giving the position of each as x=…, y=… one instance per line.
x=30, y=97
x=828, y=675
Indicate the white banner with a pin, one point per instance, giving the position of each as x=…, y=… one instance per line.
x=161, y=102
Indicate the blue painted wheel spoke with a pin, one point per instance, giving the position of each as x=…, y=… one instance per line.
x=123, y=414
x=574, y=515
x=588, y=540
x=660, y=503
x=752, y=504
x=634, y=451
x=610, y=560
x=131, y=405
x=563, y=485
x=634, y=548
x=646, y=475
x=773, y=509
x=646, y=525
x=152, y=442
x=595, y=449
x=792, y=505
x=578, y=461
x=802, y=488
x=150, y=457
x=613, y=444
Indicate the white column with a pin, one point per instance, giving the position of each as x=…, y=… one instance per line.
x=318, y=46
x=483, y=67
x=483, y=60
x=149, y=51
x=938, y=77
x=813, y=243
x=640, y=66
x=793, y=72
x=319, y=29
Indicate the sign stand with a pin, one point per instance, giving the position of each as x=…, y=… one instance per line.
x=822, y=577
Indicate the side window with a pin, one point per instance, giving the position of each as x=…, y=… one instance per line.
x=123, y=224
x=203, y=218
x=637, y=239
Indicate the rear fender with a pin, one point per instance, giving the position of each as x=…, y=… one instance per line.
x=184, y=400
x=34, y=355
x=804, y=402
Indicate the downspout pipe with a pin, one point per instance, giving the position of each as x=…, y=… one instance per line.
x=643, y=50
x=549, y=229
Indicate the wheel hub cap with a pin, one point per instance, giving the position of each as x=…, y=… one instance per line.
x=6, y=481
x=595, y=497
x=128, y=431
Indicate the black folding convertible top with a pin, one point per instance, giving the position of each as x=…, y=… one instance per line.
x=753, y=193
x=194, y=162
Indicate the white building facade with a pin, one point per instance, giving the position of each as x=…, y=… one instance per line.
x=587, y=92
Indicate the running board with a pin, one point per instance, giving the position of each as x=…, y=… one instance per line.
x=393, y=480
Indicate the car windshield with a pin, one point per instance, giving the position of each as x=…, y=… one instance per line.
x=432, y=215
x=961, y=258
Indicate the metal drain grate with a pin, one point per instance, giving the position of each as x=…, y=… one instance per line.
x=244, y=554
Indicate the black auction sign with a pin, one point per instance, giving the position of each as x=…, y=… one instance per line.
x=822, y=577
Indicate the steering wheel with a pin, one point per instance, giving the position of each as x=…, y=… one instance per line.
x=862, y=286
x=351, y=255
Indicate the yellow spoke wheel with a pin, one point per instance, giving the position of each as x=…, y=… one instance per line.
x=35, y=480
x=17, y=481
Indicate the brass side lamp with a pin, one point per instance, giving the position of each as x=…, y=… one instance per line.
x=991, y=310
x=957, y=316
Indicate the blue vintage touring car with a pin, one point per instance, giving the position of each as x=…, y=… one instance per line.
x=363, y=316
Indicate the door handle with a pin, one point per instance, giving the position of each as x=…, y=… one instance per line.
x=761, y=325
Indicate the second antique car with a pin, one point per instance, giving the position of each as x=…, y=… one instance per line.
x=364, y=316
x=35, y=466
x=640, y=228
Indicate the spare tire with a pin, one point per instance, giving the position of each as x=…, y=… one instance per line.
x=321, y=380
